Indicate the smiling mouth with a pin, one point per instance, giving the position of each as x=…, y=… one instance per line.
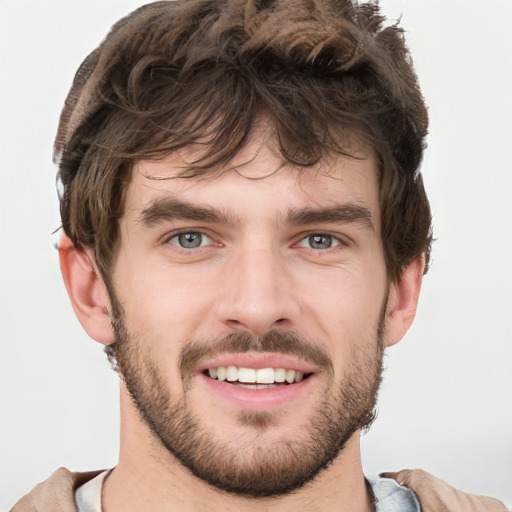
x=252, y=378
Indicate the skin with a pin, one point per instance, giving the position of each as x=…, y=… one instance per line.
x=255, y=271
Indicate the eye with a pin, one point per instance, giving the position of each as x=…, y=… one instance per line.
x=319, y=241
x=190, y=240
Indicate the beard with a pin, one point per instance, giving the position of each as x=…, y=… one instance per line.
x=261, y=469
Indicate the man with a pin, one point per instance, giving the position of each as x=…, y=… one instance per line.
x=246, y=230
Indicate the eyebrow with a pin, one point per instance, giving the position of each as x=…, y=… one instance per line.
x=168, y=209
x=173, y=209
x=345, y=213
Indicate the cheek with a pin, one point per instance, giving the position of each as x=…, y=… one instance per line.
x=348, y=294
x=163, y=311
x=346, y=308
x=165, y=301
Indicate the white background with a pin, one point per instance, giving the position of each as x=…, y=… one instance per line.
x=446, y=404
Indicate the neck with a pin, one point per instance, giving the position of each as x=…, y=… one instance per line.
x=149, y=478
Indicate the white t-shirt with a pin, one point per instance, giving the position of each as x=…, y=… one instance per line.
x=390, y=496
x=88, y=496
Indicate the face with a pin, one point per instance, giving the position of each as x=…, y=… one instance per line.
x=250, y=313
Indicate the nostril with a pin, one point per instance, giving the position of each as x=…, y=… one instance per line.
x=236, y=324
x=257, y=328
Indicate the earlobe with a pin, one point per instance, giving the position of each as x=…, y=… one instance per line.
x=403, y=301
x=86, y=291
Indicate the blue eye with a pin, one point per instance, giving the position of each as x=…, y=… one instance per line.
x=320, y=241
x=190, y=240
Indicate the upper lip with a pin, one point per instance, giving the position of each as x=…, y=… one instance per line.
x=257, y=360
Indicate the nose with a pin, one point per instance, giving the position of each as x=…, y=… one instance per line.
x=258, y=292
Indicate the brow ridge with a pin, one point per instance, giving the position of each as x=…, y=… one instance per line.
x=167, y=209
x=345, y=213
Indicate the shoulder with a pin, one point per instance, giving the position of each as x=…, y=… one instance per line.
x=55, y=494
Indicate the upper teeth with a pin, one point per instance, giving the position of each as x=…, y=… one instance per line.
x=251, y=375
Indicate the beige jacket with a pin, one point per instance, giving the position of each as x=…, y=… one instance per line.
x=57, y=493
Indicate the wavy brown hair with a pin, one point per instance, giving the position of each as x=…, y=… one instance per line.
x=172, y=74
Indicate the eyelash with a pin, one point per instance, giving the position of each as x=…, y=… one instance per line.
x=336, y=241
x=185, y=250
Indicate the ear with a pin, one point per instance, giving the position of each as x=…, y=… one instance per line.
x=87, y=291
x=403, y=301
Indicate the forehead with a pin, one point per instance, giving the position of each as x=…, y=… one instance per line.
x=257, y=182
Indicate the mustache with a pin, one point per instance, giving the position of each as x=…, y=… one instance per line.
x=287, y=343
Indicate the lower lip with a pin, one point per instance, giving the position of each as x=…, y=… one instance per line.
x=257, y=399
